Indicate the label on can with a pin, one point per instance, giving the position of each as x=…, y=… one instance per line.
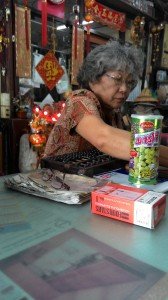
x=144, y=154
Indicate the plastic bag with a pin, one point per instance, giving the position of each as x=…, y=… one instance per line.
x=27, y=157
x=63, y=84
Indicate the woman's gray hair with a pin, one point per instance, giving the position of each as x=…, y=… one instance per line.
x=112, y=56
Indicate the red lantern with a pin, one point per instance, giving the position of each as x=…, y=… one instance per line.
x=89, y=3
x=88, y=17
x=54, y=118
x=48, y=119
x=37, y=140
x=36, y=109
x=48, y=110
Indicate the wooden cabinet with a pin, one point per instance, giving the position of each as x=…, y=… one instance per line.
x=5, y=146
x=18, y=127
x=10, y=133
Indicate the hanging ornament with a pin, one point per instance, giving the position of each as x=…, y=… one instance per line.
x=77, y=62
x=89, y=3
x=88, y=17
x=4, y=40
x=87, y=38
x=26, y=25
x=23, y=41
x=36, y=110
x=50, y=70
x=41, y=125
x=76, y=36
x=44, y=23
x=48, y=110
x=76, y=21
x=156, y=30
x=53, y=38
x=137, y=30
x=38, y=139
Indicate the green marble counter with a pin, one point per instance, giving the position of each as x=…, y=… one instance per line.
x=36, y=221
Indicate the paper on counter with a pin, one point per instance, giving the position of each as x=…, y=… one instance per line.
x=51, y=184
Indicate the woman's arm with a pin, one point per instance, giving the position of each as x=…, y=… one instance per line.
x=112, y=141
x=163, y=155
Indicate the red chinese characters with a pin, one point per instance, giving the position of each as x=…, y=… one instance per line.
x=50, y=70
x=107, y=16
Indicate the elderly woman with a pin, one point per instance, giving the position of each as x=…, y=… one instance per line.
x=92, y=114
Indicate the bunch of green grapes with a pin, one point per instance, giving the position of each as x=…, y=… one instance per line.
x=145, y=163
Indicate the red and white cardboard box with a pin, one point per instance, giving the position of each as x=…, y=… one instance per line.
x=129, y=204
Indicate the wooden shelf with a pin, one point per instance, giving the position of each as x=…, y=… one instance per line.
x=162, y=82
x=160, y=68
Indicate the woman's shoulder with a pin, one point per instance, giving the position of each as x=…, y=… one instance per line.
x=80, y=102
x=83, y=95
x=81, y=92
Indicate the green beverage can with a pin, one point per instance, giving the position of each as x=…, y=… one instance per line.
x=144, y=153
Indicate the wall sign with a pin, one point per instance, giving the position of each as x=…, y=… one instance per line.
x=50, y=70
x=23, y=42
x=107, y=16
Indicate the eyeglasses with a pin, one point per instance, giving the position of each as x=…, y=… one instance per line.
x=118, y=81
x=56, y=182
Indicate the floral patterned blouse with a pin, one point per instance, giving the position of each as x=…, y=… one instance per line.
x=63, y=137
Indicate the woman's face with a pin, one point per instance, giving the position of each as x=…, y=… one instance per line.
x=113, y=88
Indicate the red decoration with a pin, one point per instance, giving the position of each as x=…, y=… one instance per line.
x=89, y=3
x=48, y=110
x=50, y=70
x=54, y=9
x=42, y=123
x=36, y=109
x=107, y=16
x=44, y=23
x=37, y=139
x=88, y=17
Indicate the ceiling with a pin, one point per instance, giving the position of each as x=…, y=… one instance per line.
x=63, y=37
